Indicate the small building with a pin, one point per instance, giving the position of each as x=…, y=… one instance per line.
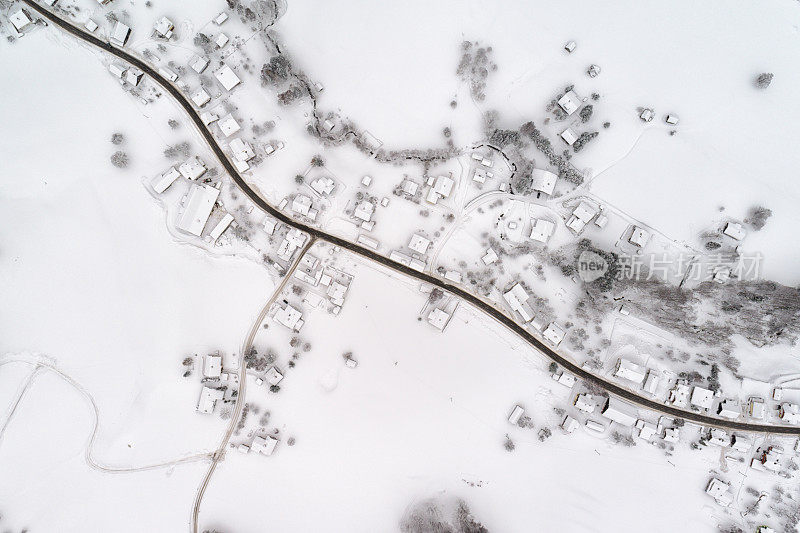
x=554, y=334
x=741, y=443
x=212, y=366
x=20, y=19
x=90, y=26
x=542, y=229
x=209, y=117
x=619, y=412
x=647, y=115
x=221, y=18
x=585, y=402
x=364, y=210
x=735, y=231
x=201, y=200
x=593, y=71
x=789, y=413
x=651, y=383
x=192, y=168
x=570, y=102
x=419, y=244
x=718, y=437
x=228, y=125
x=166, y=179
x=582, y=215
x=274, y=376
x=569, y=424
x=729, y=409
x=198, y=63
x=117, y=69
x=679, y=394
x=671, y=119
x=134, y=76
x=756, y=408
x=569, y=136
x=438, y=319
x=324, y=185
x=517, y=299
x=289, y=317
x=119, y=34
x=489, y=257
x=221, y=40
x=646, y=430
x=564, y=378
x=264, y=445
x=629, y=370
x=453, y=275
x=163, y=28
x=200, y=97
x=702, y=398
x=220, y=227
x=409, y=187
x=767, y=458
x=595, y=426
x=242, y=150
x=672, y=435
x=720, y=491
x=227, y=77
x=570, y=47
x=168, y=74
x=208, y=399
x=543, y=181
x=516, y=414
x=301, y=204
x=639, y=237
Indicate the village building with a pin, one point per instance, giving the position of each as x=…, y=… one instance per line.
x=652, y=381
x=646, y=430
x=729, y=409
x=720, y=491
x=569, y=136
x=441, y=188
x=569, y=424
x=208, y=399
x=756, y=408
x=198, y=63
x=166, y=179
x=192, y=168
x=735, y=231
x=242, y=150
x=542, y=229
x=119, y=34
x=324, y=185
x=309, y=270
x=200, y=97
x=672, y=435
x=264, y=445
x=409, y=187
x=419, y=244
x=350, y=362
x=647, y=115
x=554, y=334
x=679, y=394
x=289, y=317
x=629, y=370
x=517, y=299
x=163, y=28
x=227, y=77
x=20, y=19
x=301, y=204
x=364, y=211
x=582, y=215
x=208, y=117
x=367, y=241
x=741, y=443
x=294, y=239
x=702, y=398
x=273, y=376
x=516, y=414
x=117, y=69
x=639, y=237
x=228, y=125
x=585, y=402
x=595, y=426
x=789, y=413
x=570, y=47
x=570, y=102
x=212, y=366
x=438, y=319
x=201, y=200
x=90, y=26
x=671, y=119
x=767, y=458
x=407, y=260
x=168, y=73
x=489, y=257
x=543, y=181
x=619, y=412
x=593, y=71
x=564, y=378
x=718, y=437
x=453, y=275
x=221, y=40
x=220, y=227
x=366, y=181
x=133, y=76
x=221, y=18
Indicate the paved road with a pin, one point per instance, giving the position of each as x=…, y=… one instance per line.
x=487, y=307
x=240, y=398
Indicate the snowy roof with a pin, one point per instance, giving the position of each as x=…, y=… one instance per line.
x=409, y=187
x=192, y=168
x=228, y=125
x=164, y=27
x=639, y=237
x=585, y=402
x=208, y=398
x=554, y=333
x=212, y=366
x=489, y=257
x=227, y=77
x=735, y=230
x=569, y=424
x=198, y=63
x=200, y=97
x=198, y=208
x=542, y=229
x=720, y=491
x=570, y=102
x=166, y=179
x=702, y=397
x=629, y=370
x=438, y=318
x=516, y=414
x=729, y=409
x=419, y=244
x=323, y=185
x=221, y=226
x=364, y=211
x=651, y=383
x=570, y=136
x=619, y=412
x=443, y=186
x=289, y=317
x=543, y=180
x=20, y=19
x=242, y=150
x=756, y=408
x=274, y=376
x=585, y=211
x=120, y=33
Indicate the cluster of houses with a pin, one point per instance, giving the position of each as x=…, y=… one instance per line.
x=218, y=383
x=418, y=247
x=481, y=168
x=332, y=281
x=517, y=299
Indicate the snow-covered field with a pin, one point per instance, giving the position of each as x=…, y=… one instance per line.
x=95, y=287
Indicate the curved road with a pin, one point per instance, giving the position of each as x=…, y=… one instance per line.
x=486, y=307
